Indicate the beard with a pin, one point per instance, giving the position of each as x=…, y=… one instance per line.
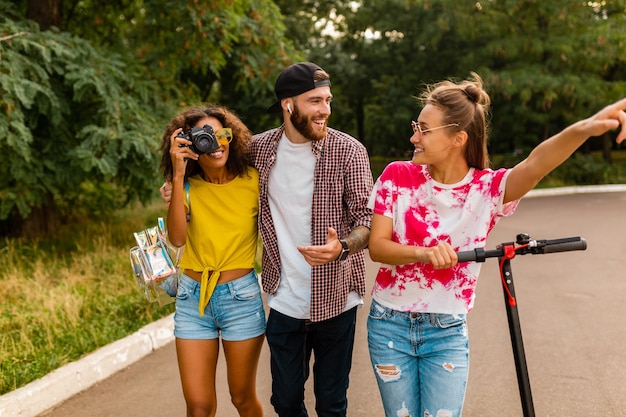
x=304, y=126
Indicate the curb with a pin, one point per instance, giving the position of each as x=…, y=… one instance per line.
x=576, y=189
x=63, y=383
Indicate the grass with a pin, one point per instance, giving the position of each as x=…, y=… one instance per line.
x=63, y=298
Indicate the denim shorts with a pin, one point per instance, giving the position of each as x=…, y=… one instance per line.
x=235, y=310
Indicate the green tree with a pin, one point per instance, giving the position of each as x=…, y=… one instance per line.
x=545, y=64
x=192, y=42
x=83, y=103
x=549, y=64
x=228, y=51
x=77, y=129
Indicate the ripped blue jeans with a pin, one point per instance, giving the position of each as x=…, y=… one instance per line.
x=421, y=361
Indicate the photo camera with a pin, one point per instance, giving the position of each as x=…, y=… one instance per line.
x=202, y=139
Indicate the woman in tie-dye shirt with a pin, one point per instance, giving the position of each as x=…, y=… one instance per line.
x=445, y=200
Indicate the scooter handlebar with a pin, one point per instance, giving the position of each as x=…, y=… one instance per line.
x=535, y=247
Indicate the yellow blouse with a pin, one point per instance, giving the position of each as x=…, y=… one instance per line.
x=222, y=231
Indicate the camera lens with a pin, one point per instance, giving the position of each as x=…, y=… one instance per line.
x=204, y=143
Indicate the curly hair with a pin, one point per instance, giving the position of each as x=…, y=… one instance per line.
x=238, y=159
x=467, y=104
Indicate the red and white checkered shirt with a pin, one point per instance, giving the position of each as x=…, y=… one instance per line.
x=342, y=186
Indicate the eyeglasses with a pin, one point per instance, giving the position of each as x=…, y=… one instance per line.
x=224, y=135
x=417, y=128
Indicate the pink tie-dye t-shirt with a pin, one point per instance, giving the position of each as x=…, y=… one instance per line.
x=426, y=212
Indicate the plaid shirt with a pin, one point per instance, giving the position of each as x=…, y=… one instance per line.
x=342, y=186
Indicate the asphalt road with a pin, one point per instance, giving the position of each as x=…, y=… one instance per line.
x=571, y=308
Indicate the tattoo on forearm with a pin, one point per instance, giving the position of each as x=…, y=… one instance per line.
x=358, y=238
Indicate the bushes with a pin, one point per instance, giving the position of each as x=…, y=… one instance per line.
x=581, y=169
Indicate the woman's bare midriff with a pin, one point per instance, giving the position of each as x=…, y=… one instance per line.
x=225, y=276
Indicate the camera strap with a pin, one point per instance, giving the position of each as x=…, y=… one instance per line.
x=188, y=201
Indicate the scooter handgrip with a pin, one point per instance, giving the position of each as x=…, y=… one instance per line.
x=466, y=255
x=580, y=244
x=477, y=255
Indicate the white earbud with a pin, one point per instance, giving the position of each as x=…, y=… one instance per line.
x=289, y=108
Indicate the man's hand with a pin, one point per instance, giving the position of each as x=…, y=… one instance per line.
x=166, y=192
x=322, y=254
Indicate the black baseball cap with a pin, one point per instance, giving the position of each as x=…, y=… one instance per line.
x=295, y=80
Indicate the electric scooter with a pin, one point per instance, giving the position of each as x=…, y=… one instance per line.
x=505, y=252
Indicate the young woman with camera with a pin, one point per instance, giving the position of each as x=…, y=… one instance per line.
x=213, y=212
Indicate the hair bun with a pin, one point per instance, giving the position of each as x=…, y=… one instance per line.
x=472, y=93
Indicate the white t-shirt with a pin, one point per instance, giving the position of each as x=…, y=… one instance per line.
x=426, y=212
x=290, y=187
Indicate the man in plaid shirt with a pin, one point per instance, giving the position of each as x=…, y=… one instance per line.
x=314, y=222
